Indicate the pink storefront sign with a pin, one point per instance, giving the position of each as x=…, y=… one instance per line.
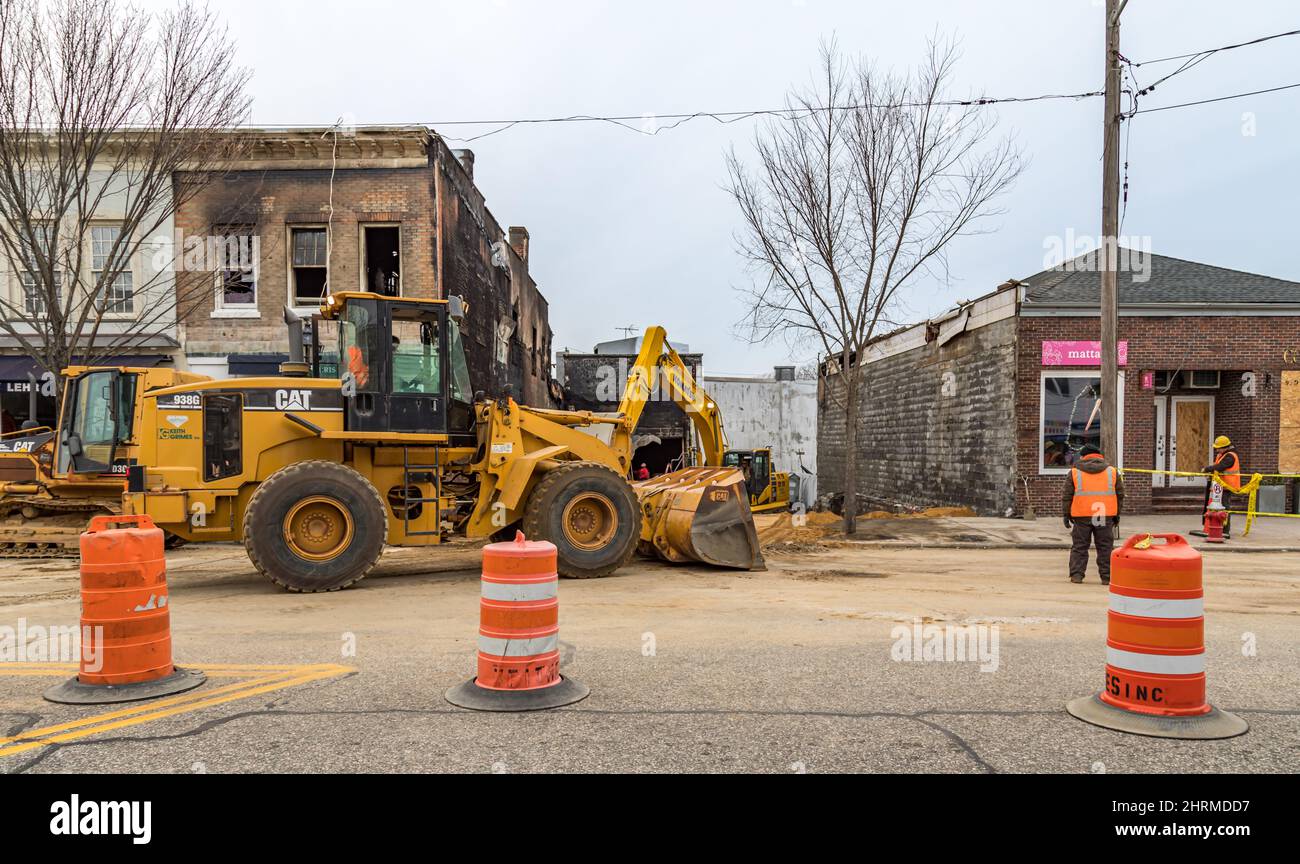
x=1078, y=353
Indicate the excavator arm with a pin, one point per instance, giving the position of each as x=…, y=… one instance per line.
x=658, y=363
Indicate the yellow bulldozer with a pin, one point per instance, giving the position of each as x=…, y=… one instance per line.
x=47, y=496
x=314, y=475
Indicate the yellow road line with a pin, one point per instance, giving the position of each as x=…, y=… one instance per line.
x=283, y=677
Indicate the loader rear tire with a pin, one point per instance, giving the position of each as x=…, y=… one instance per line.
x=591, y=515
x=315, y=526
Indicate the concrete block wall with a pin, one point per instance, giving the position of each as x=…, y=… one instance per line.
x=932, y=424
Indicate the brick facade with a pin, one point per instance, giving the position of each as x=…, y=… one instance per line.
x=1231, y=345
x=449, y=244
x=958, y=424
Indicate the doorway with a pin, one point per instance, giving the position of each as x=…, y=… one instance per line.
x=382, y=259
x=1159, y=481
x=1191, y=436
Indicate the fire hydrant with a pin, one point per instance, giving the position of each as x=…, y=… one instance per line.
x=1215, y=519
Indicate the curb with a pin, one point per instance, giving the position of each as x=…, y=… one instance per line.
x=890, y=544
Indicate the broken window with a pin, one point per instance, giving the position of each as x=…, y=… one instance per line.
x=236, y=268
x=310, y=265
x=383, y=259
x=1070, y=418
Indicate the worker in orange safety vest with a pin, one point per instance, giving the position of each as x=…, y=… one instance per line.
x=1093, y=498
x=1228, y=464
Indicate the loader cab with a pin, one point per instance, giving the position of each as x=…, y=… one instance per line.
x=756, y=465
x=97, y=418
x=402, y=364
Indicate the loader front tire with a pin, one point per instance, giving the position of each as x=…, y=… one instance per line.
x=591, y=515
x=315, y=526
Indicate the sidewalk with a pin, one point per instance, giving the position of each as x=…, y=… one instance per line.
x=1267, y=534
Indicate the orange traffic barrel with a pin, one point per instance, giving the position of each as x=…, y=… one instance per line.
x=519, y=633
x=1155, y=646
x=126, y=640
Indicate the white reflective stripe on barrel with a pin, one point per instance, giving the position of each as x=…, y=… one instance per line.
x=510, y=592
x=1151, y=607
x=518, y=647
x=1156, y=664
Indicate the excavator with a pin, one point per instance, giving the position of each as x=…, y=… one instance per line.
x=314, y=475
x=47, y=496
x=660, y=370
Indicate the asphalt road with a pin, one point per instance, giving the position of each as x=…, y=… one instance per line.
x=788, y=670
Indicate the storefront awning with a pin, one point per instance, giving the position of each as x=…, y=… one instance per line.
x=17, y=367
x=255, y=364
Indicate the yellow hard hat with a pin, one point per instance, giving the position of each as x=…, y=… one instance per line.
x=1221, y=442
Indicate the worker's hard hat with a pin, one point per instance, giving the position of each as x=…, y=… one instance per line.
x=1221, y=442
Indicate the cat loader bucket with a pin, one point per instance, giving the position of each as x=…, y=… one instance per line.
x=699, y=514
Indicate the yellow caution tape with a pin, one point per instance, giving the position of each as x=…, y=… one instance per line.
x=1249, y=489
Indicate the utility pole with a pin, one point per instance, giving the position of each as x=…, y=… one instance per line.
x=1109, y=252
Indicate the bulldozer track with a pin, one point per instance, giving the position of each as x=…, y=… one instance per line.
x=38, y=550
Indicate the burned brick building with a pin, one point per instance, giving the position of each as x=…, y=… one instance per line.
x=595, y=381
x=386, y=209
x=989, y=404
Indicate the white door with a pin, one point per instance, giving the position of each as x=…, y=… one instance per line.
x=1162, y=441
x=1191, y=436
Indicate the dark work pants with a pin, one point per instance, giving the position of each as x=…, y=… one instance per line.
x=1083, y=535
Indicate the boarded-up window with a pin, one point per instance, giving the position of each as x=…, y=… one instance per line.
x=1288, y=455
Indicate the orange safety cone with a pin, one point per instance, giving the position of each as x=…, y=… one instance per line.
x=519, y=633
x=126, y=652
x=1155, y=646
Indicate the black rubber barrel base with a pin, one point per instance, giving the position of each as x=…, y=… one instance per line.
x=470, y=695
x=73, y=692
x=1202, y=727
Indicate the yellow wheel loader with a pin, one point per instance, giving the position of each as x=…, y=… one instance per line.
x=315, y=475
x=48, y=496
x=660, y=372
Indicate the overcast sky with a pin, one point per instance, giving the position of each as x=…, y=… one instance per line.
x=634, y=230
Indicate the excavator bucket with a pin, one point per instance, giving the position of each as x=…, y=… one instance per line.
x=699, y=514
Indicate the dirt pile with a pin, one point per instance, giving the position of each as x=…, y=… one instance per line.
x=810, y=530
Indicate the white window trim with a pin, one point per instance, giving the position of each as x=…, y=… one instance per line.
x=137, y=295
x=18, y=292
x=1115, y=459
x=239, y=310
x=361, y=261
x=291, y=292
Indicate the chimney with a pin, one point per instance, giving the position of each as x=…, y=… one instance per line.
x=466, y=159
x=519, y=241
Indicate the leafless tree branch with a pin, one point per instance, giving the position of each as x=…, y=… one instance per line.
x=850, y=205
x=101, y=105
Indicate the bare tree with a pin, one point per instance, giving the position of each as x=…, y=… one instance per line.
x=102, y=106
x=857, y=191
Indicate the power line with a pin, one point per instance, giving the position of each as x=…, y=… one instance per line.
x=1220, y=48
x=723, y=117
x=1217, y=99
